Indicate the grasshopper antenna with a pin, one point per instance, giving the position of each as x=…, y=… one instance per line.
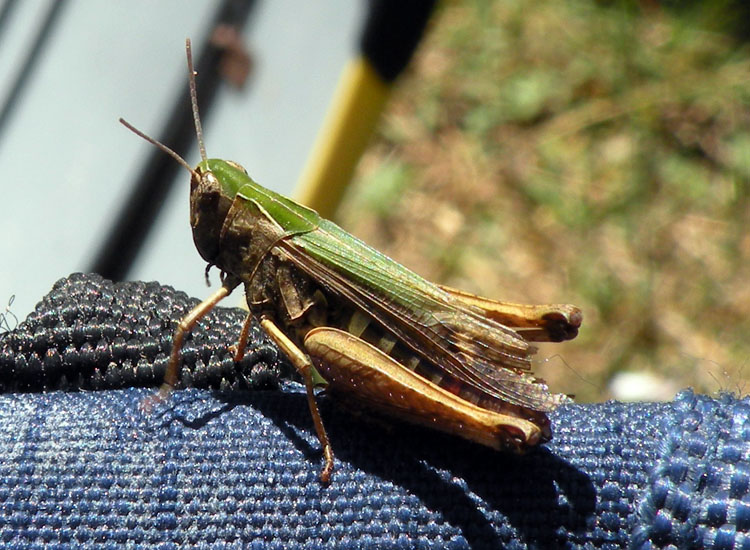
x=161, y=146
x=196, y=119
x=194, y=100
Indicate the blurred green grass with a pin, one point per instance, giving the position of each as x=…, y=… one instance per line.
x=589, y=153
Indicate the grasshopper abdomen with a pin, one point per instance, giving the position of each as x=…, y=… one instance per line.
x=335, y=333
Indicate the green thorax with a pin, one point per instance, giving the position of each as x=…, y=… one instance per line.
x=291, y=216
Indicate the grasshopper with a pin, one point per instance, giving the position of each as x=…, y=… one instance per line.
x=378, y=334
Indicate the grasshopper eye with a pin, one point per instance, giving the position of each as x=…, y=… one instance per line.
x=237, y=166
x=210, y=184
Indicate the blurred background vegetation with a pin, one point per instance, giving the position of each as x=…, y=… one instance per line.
x=589, y=153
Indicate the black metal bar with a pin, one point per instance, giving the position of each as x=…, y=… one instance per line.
x=392, y=31
x=5, y=14
x=27, y=67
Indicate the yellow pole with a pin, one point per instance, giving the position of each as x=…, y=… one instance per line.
x=391, y=32
x=355, y=109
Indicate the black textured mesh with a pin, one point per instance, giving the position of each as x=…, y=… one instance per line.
x=92, y=334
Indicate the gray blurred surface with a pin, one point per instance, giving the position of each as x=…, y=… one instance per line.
x=67, y=164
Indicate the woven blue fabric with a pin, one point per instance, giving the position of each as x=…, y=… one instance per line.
x=239, y=468
x=699, y=491
x=212, y=470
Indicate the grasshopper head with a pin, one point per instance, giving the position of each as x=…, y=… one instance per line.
x=207, y=212
x=213, y=186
